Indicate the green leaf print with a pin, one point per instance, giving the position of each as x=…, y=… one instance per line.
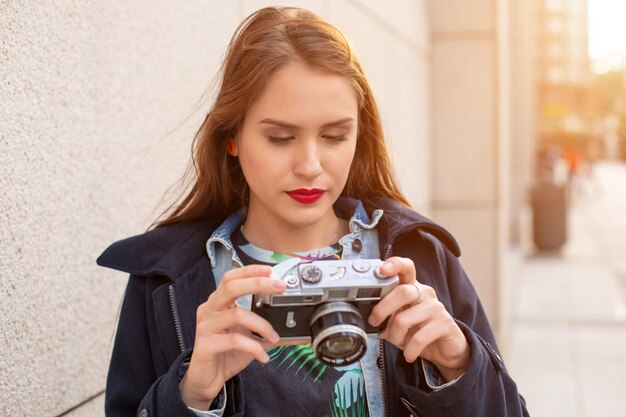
x=344, y=405
x=302, y=354
x=278, y=257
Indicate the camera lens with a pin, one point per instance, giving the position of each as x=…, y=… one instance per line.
x=337, y=333
x=338, y=345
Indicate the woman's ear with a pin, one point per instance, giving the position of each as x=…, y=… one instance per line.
x=231, y=147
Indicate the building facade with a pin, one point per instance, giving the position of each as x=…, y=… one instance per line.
x=563, y=70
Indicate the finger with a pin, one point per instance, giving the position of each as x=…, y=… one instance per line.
x=237, y=318
x=398, y=298
x=222, y=343
x=403, y=267
x=267, y=345
x=218, y=301
x=247, y=271
x=421, y=339
x=229, y=291
x=404, y=323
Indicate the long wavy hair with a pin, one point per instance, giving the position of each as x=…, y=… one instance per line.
x=266, y=40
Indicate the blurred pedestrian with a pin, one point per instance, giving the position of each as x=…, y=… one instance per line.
x=574, y=161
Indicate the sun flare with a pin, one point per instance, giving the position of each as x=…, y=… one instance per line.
x=607, y=34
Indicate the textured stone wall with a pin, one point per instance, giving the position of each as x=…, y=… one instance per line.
x=98, y=105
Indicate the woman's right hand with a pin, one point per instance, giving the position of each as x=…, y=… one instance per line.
x=224, y=345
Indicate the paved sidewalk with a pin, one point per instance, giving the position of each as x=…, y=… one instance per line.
x=568, y=352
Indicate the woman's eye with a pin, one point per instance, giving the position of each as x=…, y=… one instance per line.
x=335, y=138
x=280, y=140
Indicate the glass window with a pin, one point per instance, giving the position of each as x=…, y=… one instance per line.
x=555, y=74
x=555, y=51
x=556, y=26
x=554, y=5
x=576, y=52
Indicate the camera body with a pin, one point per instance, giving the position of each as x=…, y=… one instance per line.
x=327, y=302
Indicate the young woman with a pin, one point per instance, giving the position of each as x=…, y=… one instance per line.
x=290, y=162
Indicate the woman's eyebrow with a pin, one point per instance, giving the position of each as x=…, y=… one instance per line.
x=280, y=123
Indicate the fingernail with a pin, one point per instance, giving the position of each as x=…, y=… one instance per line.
x=372, y=321
x=266, y=358
x=275, y=337
x=387, y=266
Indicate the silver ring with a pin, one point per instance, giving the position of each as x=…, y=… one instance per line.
x=419, y=291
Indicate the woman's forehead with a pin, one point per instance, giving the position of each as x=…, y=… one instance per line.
x=296, y=93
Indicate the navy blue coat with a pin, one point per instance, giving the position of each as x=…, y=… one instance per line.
x=170, y=276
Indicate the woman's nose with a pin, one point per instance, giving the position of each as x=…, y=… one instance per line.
x=308, y=163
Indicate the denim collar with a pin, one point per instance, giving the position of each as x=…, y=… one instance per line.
x=359, y=220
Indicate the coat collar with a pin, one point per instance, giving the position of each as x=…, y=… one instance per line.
x=173, y=249
x=399, y=219
x=168, y=250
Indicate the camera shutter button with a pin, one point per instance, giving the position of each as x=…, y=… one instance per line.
x=378, y=275
x=361, y=266
x=291, y=281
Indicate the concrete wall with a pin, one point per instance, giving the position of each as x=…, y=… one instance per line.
x=98, y=105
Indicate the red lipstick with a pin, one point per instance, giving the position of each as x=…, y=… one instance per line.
x=304, y=196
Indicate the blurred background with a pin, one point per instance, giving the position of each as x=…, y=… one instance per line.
x=506, y=120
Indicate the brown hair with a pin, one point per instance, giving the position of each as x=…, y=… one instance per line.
x=267, y=39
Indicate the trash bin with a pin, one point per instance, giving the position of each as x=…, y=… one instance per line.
x=549, y=208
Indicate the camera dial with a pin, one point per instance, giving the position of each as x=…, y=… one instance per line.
x=311, y=274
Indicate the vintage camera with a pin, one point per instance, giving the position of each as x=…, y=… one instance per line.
x=328, y=302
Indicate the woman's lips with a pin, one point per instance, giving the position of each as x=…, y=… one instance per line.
x=304, y=196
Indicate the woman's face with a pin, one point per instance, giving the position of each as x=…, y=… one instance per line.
x=296, y=145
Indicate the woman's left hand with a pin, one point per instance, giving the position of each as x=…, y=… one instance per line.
x=419, y=324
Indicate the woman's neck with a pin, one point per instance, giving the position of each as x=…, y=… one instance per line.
x=282, y=237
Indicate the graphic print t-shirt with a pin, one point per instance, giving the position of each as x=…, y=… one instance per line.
x=294, y=380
